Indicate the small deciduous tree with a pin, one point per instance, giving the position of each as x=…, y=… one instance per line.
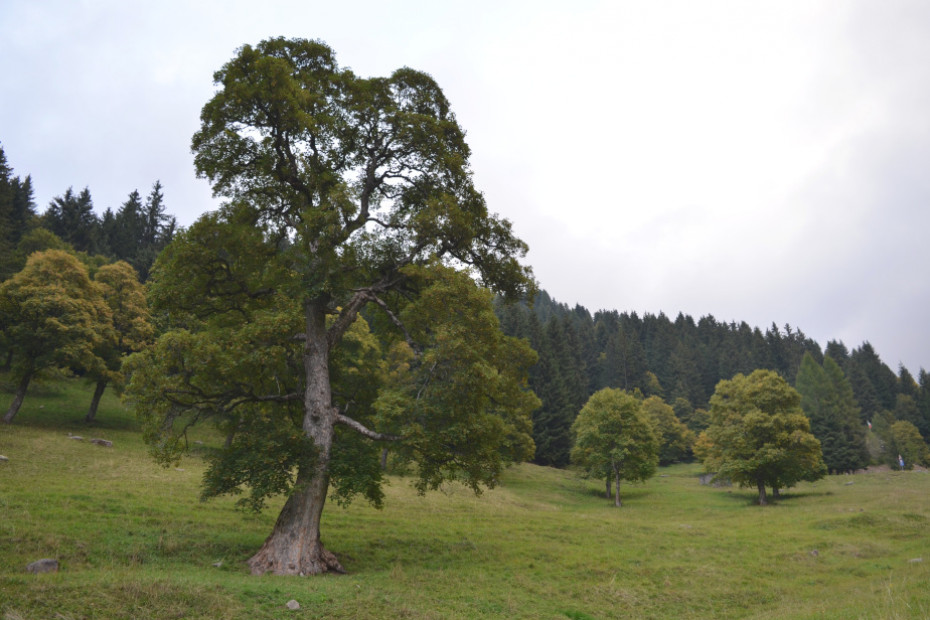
x=905, y=441
x=132, y=330
x=614, y=439
x=759, y=435
x=53, y=316
x=675, y=439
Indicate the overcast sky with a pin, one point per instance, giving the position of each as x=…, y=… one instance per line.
x=757, y=161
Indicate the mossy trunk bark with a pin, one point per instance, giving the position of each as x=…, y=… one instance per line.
x=294, y=546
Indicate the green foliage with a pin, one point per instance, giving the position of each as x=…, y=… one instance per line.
x=71, y=217
x=138, y=231
x=675, y=439
x=827, y=400
x=614, y=438
x=131, y=327
x=759, y=434
x=462, y=406
x=53, y=316
x=344, y=194
x=17, y=217
x=905, y=441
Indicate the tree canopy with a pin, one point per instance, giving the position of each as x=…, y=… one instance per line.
x=344, y=194
x=759, y=434
x=131, y=327
x=675, y=439
x=53, y=315
x=615, y=439
x=827, y=400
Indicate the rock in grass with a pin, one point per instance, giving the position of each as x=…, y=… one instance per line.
x=3, y=459
x=102, y=442
x=75, y=437
x=293, y=605
x=45, y=565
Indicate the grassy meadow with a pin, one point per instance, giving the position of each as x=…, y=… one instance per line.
x=134, y=541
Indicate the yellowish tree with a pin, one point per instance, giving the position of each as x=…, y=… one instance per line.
x=132, y=329
x=675, y=439
x=54, y=316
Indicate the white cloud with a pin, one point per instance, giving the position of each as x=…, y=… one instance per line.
x=760, y=161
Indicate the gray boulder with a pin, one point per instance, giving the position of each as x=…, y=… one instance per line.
x=45, y=565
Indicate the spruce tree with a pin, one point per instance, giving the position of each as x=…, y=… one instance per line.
x=71, y=216
x=852, y=453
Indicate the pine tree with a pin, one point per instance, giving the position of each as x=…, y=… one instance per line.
x=923, y=401
x=882, y=379
x=852, y=452
x=71, y=216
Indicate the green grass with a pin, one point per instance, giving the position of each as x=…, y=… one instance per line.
x=134, y=541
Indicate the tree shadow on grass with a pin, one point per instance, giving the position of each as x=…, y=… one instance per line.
x=750, y=496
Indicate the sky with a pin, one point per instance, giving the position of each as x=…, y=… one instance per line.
x=764, y=161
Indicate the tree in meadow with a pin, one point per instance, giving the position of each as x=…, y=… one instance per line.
x=131, y=327
x=759, y=435
x=343, y=194
x=614, y=439
x=54, y=316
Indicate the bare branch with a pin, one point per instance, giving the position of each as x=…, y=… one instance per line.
x=360, y=428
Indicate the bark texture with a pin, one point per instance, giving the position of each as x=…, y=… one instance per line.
x=294, y=546
x=760, y=484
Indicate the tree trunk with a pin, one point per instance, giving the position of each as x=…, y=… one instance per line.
x=95, y=401
x=617, y=491
x=608, y=487
x=294, y=546
x=761, y=486
x=776, y=492
x=384, y=455
x=18, y=398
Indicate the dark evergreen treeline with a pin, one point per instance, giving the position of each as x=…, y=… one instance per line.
x=136, y=232
x=682, y=360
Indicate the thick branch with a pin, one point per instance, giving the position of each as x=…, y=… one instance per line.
x=347, y=316
x=361, y=428
x=397, y=322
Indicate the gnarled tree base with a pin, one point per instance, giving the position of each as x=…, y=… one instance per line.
x=280, y=556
